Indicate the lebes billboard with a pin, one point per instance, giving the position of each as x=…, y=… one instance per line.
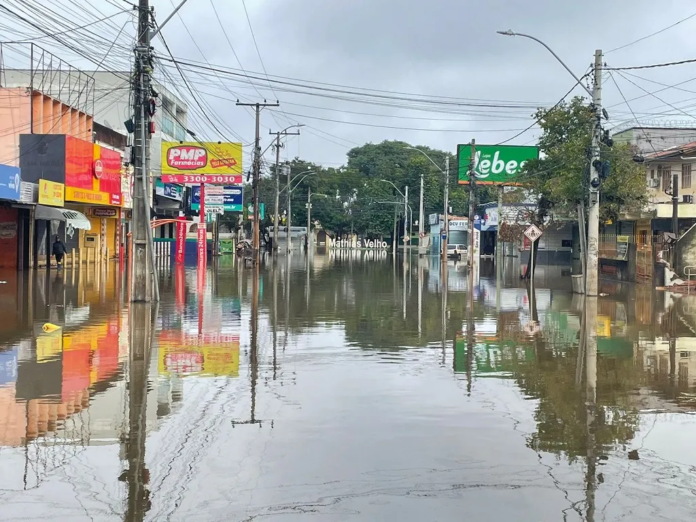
x=494, y=164
x=204, y=162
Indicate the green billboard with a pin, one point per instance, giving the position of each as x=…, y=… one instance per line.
x=494, y=164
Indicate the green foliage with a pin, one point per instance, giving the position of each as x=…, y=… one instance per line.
x=561, y=175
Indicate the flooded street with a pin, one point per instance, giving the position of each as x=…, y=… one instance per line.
x=349, y=387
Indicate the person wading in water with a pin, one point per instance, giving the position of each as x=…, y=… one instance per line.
x=59, y=251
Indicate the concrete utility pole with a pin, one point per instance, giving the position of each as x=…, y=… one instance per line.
x=675, y=205
x=446, y=234
x=288, y=221
x=592, y=277
x=256, y=242
x=406, y=223
x=421, y=217
x=472, y=213
x=143, y=280
x=278, y=146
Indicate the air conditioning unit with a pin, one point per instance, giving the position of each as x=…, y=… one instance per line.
x=688, y=199
x=654, y=183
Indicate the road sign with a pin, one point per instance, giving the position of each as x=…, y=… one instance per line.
x=533, y=233
x=215, y=209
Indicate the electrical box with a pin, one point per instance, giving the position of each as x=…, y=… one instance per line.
x=91, y=240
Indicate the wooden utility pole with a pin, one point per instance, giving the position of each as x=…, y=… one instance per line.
x=278, y=146
x=257, y=173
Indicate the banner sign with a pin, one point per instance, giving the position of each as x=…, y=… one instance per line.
x=201, y=158
x=233, y=197
x=10, y=182
x=180, y=240
x=51, y=193
x=197, y=179
x=169, y=190
x=494, y=164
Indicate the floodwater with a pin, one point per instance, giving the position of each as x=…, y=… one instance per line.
x=343, y=392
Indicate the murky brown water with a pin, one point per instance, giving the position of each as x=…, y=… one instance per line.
x=349, y=395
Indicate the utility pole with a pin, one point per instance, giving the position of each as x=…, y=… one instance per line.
x=446, y=234
x=472, y=212
x=278, y=146
x=592, y=282
x=675, y=206
x=406, y=234
x=309, y=215
x=421, y=217
x=142, y=279
x=256, y=242
x=288, y=221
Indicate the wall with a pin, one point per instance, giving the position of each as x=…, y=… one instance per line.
x=685, y=251
x=15, y=118
x=8, y=237
x=649, y=140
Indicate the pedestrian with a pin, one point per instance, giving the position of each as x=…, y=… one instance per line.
x=59, y=251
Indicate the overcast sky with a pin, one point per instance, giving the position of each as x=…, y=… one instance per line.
x=440, y=48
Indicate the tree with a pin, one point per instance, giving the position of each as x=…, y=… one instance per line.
x=560, y=176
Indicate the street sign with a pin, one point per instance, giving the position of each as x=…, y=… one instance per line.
x=215, y=210
x=533, y=233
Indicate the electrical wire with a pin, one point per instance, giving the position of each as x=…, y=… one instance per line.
x=652, y=34
x=653, y=66
x=647, y=138
x=656, y=97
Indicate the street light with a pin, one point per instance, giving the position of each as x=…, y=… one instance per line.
x=277, y=180
x=289, y=189
x=592, y=255
x=445, y=173
x=309, y=214
x=405, y=196
x=512, y=33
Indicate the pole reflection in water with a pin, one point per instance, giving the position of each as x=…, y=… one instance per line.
x=254, y=348
x=591, y=404
x=275, y=320
x=136, y=474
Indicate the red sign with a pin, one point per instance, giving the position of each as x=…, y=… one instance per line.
x=98, y=169
x=197, y=179
x=180, y=240
x=202, y=247
x=79, y=163
x=187, y=157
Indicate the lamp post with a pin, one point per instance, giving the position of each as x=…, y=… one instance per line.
x=289, y=189
x=592, y=263
x=421, y=217
x=405, y=196
x=309, y=215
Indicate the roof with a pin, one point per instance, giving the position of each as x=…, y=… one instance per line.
x=686, y=149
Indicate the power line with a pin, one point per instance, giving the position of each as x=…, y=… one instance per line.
x=629, y=108
x=537, y=120
x=653, y=66
x=657, y=97
x=652, y=34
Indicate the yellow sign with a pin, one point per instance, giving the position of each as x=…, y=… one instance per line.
x=622, y=239
x=49, y=347
x=51, y=193
x=201, y=158
x=87, y=196
x=209, y=360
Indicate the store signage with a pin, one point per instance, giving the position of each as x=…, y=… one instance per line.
x=51, y=193
x=10, y=182
x=104, y=212
x=8, y=230
x=197, y=179
x=458, y=224
x=494, y=164
x=233, y=197
x=169, y=190
x=98, y=169
x=28, y=192
x=203, y=157
x=87, y=196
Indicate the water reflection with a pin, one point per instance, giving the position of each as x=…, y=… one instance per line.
x=348, y=386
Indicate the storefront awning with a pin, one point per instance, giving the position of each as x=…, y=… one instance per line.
x=71, y=217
